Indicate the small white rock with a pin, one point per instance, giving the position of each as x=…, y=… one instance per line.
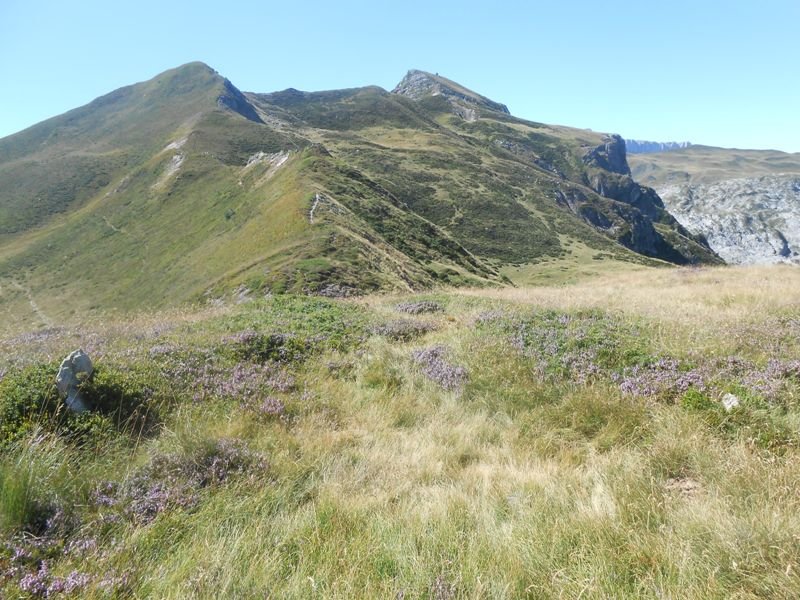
x=73, y=371
x=729, y=401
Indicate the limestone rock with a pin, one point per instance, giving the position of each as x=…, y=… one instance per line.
x=74, y=369
x=746, y=221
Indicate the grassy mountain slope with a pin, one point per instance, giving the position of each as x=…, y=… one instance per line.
x=183, y=188
x=60, y=163
x=504, y=187
x=707, y=164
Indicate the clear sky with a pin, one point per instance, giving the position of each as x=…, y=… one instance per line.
x=723, y=73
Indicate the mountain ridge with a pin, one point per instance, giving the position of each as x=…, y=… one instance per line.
x=646, y=147
x=185, y=188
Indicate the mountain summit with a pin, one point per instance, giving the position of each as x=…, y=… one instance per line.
x=419, y=84
x=186, y=188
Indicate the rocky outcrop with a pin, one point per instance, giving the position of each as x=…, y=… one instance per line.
x=610, y=176
x=634, y=228
x=645, y=147
x=746, y=221
x=624, y=189
x=610, y=155
x=419, y=84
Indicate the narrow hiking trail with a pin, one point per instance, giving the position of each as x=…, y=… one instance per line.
x=34, y=306
x=317, y=199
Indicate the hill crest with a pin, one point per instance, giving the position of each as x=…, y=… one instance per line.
x=185, y=188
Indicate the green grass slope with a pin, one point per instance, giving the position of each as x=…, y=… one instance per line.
x=505, y=188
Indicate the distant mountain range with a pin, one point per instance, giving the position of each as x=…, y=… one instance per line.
x=745, y=202
x=644, y=147
x=185, y=188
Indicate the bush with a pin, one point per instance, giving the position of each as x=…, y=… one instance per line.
x=418, y=308
x=276, y=347
x=118, y=400
x=403, y=330
x=125, y=397
x=27, y=397
x=694, y=399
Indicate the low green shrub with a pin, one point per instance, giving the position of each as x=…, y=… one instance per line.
x=118, y=401
x=264, y=347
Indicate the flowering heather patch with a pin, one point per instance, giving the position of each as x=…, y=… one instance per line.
x=272, y=407
x=662, y=378
x=47, y=345
x=36, y=583
x=162, y=350
x=434, y=365
x=490, y=316
x=403, y=330
x=282, y=382
x=589, y=346
x=67, y=585
x=112, y=582
x=581, y=346
x=41, y=584
x=276, y=347
x=204, y=376
x=418, y=308
x=174, y=481
x=81, y=546
x=770, y=380
x=147, y=498
x=774, y=335
x=26, y=561
x=442, y=589
x=104, y=494
x=667, y=378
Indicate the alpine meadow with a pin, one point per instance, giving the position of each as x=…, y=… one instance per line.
x=391, y=344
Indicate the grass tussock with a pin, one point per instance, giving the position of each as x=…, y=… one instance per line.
x=542, y=442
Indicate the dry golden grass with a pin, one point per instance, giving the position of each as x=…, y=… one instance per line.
x=703, y=308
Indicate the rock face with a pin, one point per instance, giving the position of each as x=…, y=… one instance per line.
x=610, y=156
x=609, y=175
x=74, y=369
x=746, y=221
x=645, y=147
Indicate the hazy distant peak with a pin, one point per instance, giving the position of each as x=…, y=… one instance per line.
x=644, y=146
x=420, y=84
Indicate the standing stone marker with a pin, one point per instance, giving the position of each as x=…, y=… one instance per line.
x=74, y=369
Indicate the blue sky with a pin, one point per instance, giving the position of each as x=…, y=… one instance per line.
x=713, y=72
